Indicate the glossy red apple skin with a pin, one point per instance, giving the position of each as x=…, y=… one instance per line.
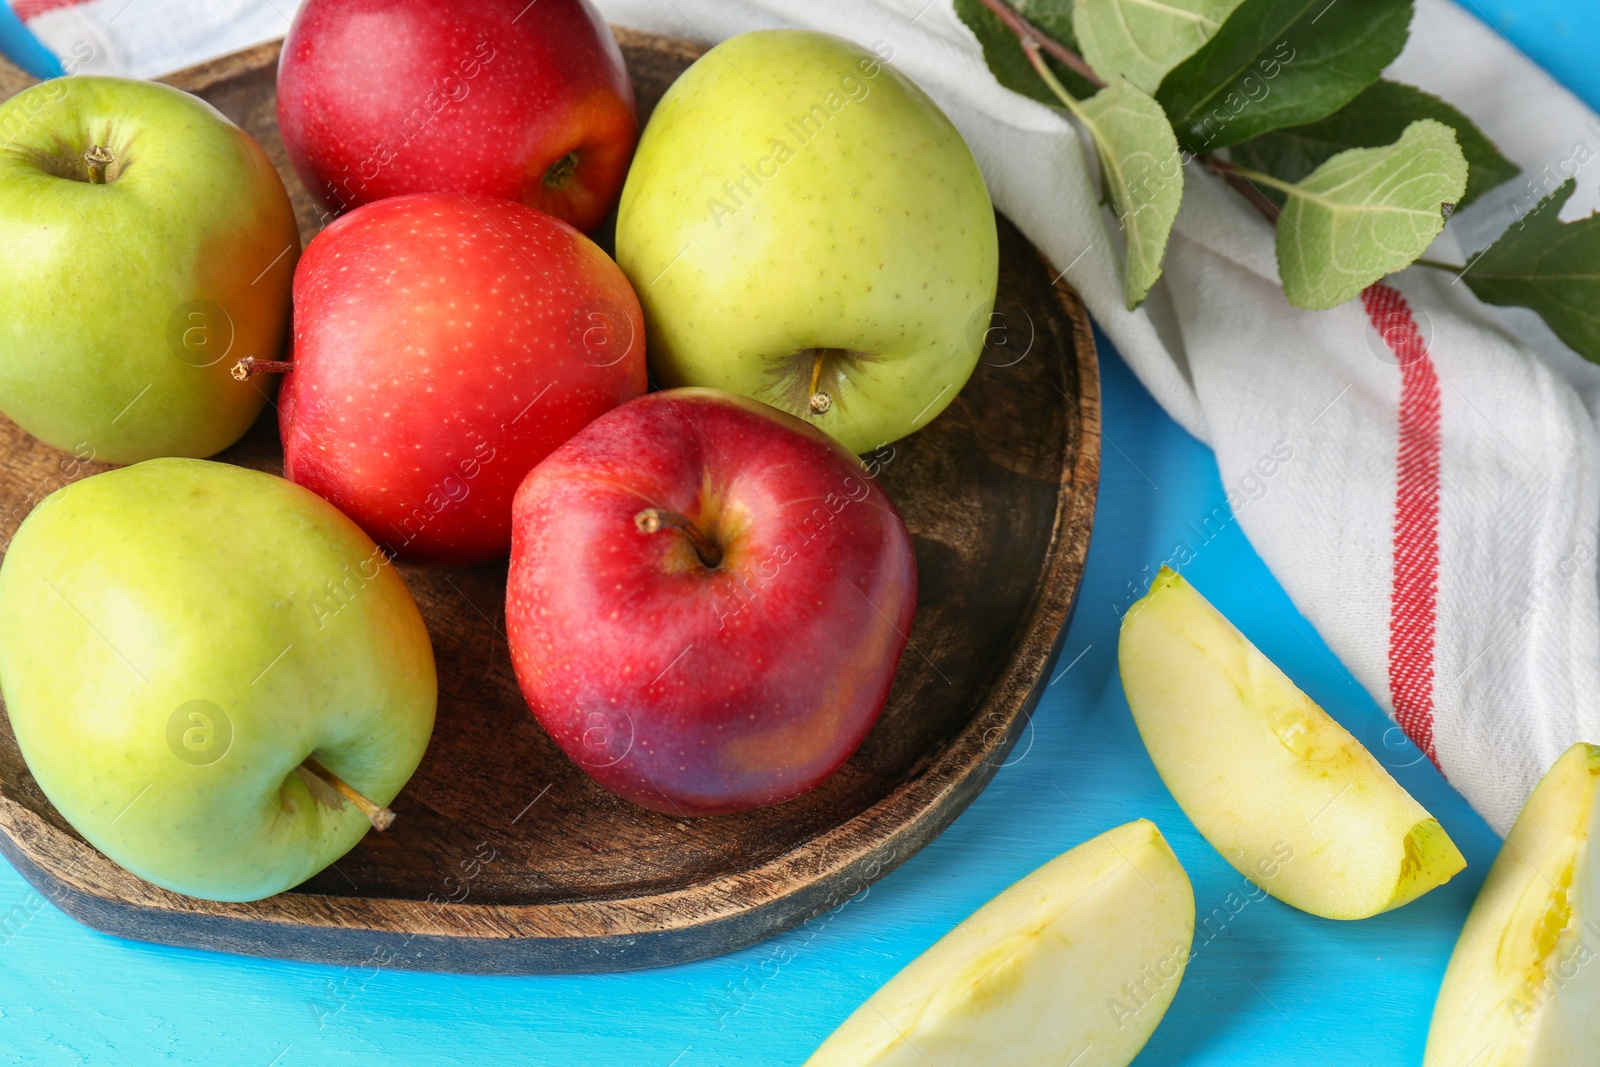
x=442, y=346
x=699, y=691
x=379, y=98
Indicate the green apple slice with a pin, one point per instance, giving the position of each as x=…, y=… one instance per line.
x=1280, y=789
x=1523, y=988
x=1076, y=963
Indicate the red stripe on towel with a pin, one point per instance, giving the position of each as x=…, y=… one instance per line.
x=1414, y=594
x=32, y=9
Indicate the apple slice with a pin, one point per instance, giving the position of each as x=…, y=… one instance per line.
x=1522, y=986
x=1280, y=789
x=1074, y=964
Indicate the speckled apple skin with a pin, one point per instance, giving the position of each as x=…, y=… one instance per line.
x=122, y=306
x=699, y=691
x=379, y=98
x=752, y=236
x=443, y=346
x=126, y=596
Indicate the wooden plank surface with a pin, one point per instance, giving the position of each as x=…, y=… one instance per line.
x=1271, y=988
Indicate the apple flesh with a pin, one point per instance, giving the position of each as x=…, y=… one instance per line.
x=525, y=101
x=129, y=284
x=1075, y=964
x=806, y=227
x=1280, y=789
x=177, y=639
x=707, y=601
x=1523, y=982
x=444, y=345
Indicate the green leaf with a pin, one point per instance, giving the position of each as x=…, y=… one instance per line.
x=1141, y=165
x=1139, y=160
x=1365, y=213
x=1377, y=117
x=1005, y=57
x=1278, y=63
x=1550, y=266
x=1141, y=40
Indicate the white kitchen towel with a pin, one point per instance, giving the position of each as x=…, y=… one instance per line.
x=148, y=38
x=1420, y=471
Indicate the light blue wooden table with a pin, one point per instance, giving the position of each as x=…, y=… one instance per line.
x=23, y=48
x=1270, y=986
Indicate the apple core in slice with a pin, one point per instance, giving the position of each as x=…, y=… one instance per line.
x=1523, y=983
x=1276, y=785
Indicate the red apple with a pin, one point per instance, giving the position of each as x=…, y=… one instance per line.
x=707, y=601
x=527, y=101
x=442, y=346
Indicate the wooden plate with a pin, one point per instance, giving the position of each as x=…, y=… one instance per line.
x=505, y=858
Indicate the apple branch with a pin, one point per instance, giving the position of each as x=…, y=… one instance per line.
x=1034, y=40
x=98, y=158
x=380, y=817
x=1244, y=180
x=654, y=520
x=250, y=366
x=1028, y=35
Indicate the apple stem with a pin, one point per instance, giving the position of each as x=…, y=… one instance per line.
x=820, y=402
x=250, y=366
x=654, y=520
x=380, y=817
x=99, y=157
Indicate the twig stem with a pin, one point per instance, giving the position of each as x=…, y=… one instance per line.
x=654, y=520
x=250, y=366
x=98, y=158
x=379, y=816
x=1027, y=33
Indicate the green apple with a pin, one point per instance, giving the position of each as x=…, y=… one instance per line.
x=1523, y=985
x=192, y=654
x=1075, y=964
x=1280, y=789
x=804, y=226
x=146, y=245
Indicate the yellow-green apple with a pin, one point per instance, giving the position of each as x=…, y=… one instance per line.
x=144, y=239
x=199, y=662
x=1280, y=789
x=707, y=601
x=1074, y=965
x=806, y=227
x=527, y=101
x=1524, y=981
x=443, y=345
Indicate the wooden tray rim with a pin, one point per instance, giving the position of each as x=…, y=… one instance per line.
x=842, y=860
